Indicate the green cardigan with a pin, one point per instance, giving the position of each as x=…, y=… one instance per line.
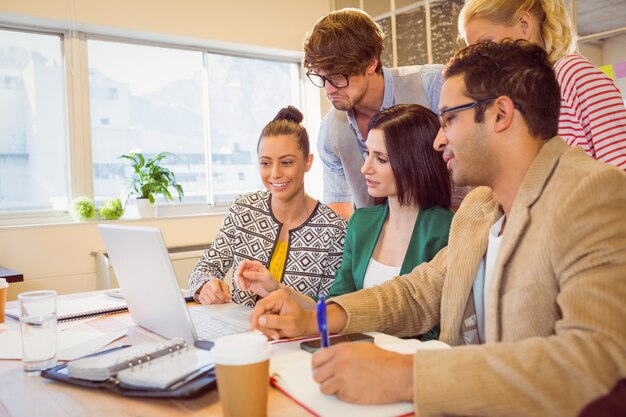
x=430, y=234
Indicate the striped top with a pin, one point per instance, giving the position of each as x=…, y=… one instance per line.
x=593, y=116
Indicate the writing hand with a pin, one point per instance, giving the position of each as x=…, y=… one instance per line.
x=363, y=373
x=214, y=291
x=254, y=276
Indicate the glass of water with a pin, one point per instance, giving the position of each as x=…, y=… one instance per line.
x=38, y=320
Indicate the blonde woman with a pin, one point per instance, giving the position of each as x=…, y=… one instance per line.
x=592, y=116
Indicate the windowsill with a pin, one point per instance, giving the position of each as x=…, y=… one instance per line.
x=63, y=218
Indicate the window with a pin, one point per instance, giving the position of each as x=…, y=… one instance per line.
x=160, y=106
x=11, y=83
x=416, y=32
x=112, y=93
x=33, y=134
x=206, y=108
x=244, y=95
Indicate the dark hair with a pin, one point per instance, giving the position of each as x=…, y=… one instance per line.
x=343, y=42
x=516, y=69
x=420, y=172
x=287, y=122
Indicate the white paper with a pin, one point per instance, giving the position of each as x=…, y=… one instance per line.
x=89, y=344
x=71, y=344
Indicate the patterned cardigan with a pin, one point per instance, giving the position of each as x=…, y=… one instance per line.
x=250, y=231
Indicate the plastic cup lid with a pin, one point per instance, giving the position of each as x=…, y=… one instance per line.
x=3, y=283
x=241, y=349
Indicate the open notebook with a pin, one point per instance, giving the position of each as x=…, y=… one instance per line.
x=81, y=308
x=290, y=371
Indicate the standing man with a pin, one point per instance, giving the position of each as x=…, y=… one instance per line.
x=342, y=55
x=530, y=290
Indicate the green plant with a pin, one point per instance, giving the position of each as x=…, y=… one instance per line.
x=111, y=209
x=150, y=178
x=82, y=209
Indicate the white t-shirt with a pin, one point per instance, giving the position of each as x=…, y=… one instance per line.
x=484, y=276
x=378, y=273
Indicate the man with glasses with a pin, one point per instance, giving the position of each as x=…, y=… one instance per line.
x=342, y=55
x=531, y=289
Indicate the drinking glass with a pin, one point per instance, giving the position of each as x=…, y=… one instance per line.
x=38, y=320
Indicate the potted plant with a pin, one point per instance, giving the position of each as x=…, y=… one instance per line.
x=82, y=209
x=111, y=209
x=149, y=180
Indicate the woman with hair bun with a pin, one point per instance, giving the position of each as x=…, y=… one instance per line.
x=299, y=239
x=593, y=116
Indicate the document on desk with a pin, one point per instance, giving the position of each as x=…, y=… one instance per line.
x=80, y=308
x=71, y=344
x=290, y=370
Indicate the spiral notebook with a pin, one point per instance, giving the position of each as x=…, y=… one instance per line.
x=149, y=366
x=69, y=309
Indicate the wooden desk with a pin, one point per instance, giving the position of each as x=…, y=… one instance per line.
x=22, y=395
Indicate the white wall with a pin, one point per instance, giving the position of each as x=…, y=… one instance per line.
x=58, y=256
x=267, y=23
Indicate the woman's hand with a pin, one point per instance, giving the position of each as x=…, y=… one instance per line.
x=254, y=276
x=214, y=291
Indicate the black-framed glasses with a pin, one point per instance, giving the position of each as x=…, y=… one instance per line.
x=336, y=80
x=443, y=114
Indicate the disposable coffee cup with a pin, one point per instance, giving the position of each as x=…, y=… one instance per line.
x=242, y=364
x=4, y=288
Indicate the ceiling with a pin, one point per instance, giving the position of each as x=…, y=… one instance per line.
x=596, y=16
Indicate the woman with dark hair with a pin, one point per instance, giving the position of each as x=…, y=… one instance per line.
x=298, y=238
x=411, y=183
x=410, y=180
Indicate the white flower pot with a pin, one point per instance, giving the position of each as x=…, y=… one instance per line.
x=146, y=209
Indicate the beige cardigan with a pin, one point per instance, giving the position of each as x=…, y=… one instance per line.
x=556, y=329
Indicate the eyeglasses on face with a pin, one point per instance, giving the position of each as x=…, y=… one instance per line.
x=444, y=115
x=336, y=80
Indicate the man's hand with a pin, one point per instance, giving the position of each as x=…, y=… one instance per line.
x=254, y=276
x=363, y=373
x=280, y=315
x=214, y=291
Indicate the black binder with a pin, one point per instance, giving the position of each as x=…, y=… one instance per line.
x=196, y=386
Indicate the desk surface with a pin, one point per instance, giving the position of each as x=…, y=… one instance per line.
x=23, y=395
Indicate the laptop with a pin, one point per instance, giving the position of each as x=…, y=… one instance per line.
x=144, y=271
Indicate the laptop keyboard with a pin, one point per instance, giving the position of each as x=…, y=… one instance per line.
x=209, y=327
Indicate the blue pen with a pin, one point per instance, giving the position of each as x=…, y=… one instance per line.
x=322, y=324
